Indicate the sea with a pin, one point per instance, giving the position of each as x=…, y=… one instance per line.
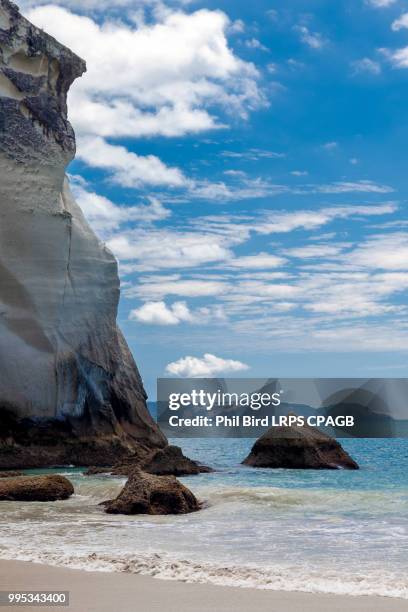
x=320, y=531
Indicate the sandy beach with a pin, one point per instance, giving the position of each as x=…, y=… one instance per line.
x=105, y=592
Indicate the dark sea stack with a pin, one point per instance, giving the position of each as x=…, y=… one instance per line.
x=70, y=392
x=298, y=447
x=36, y=488
x=149, y=494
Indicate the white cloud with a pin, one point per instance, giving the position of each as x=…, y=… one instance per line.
x=313, y=39
x=381, y=3
x=157, y=249
x=315, y=251
x=237, y=27
x=354, y=186
x=400, y=23
x=245, y=189
x=386, y=252
x=158, y=313
x=261, y=261
x=235, y=230
x=204, y=367
x=330, y=146
x=128, y=169
x=85, y=5
x=253, y=154
x=235, y=173
x=366, y=65
x=283, y=222
x=254, y=43
x=398, y=58
x=177, y=68
x=250, y=188
x=158, y=288
x=299, y=173
x=105, y=216
x=272, y=14
x=332, y=282
x=343, y=293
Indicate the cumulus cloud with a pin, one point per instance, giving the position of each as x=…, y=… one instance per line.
x=398, y=58
x=204, y=367
x=158, y=313
x=153, y=79
x=400, y=23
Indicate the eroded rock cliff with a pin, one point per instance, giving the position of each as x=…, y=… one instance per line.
x=70, y=391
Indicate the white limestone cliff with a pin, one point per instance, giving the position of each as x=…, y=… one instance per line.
x=65, y=368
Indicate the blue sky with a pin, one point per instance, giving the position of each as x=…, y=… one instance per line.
x=246, y=163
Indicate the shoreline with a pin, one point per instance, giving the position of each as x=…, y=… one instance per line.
x=106, y=591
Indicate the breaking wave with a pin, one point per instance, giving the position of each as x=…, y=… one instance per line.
x=284, y=578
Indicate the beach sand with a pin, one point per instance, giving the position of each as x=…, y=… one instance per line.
x=108, y=592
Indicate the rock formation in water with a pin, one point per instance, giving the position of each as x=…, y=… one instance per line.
x=11, y=474
x=147, y=494
x=171, y=460
x=168, y=461
x=298, y=447
x=70, y=391
x=36, y=488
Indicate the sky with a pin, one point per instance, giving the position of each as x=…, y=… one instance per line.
x=246, y=164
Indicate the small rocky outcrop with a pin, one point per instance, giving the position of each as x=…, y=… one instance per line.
x=296, y=447
x=169, y=461
x=10, y=474
x=148, y=494
x=36, y=488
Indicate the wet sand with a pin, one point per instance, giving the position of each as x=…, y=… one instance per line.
x=107, y=592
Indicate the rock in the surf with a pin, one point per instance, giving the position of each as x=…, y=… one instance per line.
x=148, y=494
x=171, y=461
x=47, y=488
x=298, y=447
x=168, y=461
x=70, y=392
x=10, y=474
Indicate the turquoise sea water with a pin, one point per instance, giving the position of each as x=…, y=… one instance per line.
x=321, y=531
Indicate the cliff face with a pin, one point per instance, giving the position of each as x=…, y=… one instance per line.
x=69, y=388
